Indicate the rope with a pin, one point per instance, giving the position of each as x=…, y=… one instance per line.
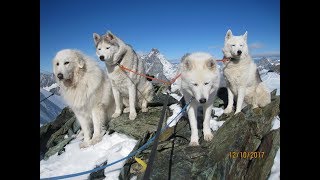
x=127, y=157
x=132, y=82
x=149, y=77
x=155, y=145
x=46, y=97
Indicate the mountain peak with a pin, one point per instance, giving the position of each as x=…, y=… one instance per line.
x=155, y=50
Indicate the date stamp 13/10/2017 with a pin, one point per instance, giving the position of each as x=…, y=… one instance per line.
x=249, y=155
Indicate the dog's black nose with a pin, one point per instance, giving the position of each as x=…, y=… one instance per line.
x=202, y=100
x=101, y=58
x=60, y=76
x=239, y=52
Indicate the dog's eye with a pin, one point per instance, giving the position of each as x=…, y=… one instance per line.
x=241, y=45
x=99, y=49
x=65, y=63
x=195, y=84
x=206, y=83
x=57, y=64
x=107, y=47
x=233, y=45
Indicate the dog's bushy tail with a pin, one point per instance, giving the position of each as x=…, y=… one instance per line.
x=262, y=95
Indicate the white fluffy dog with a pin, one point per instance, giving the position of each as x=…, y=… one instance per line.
x=241, y=74
x=200, y=78
x=87, y=90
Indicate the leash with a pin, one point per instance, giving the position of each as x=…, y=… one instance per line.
x=47, y=97
x=118, y=64
x=224, y=60
x=155, y=144
x=149, y=77
x=125, y=158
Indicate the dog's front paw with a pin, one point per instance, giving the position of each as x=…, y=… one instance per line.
x=236, y=112
x=115, y=115
x=194, y=143
x=132, y=115
x=227, y=110
x=144, y=109
x=126, y=110
x=208, y=136
x=95, y=140
x=84, y=144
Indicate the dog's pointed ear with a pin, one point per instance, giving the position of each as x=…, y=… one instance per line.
x=211, y=65
x=228, y=35
x=109, y=37
x=96, y=38
x=186, y=64
x=245, y=35
x=80, y=61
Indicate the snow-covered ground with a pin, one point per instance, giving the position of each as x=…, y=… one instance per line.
x=74, y=160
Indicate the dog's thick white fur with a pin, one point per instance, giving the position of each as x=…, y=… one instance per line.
x=242, y=76
x=128, y=88
x=200, y=78
x=87, y=90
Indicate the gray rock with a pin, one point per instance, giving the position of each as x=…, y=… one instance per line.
x=248, y=131
x=145, y=122
x=57, y=148
x=75, y=127
x=159, y=99
x=48, y=129
x=269, y=147
x=56, y=137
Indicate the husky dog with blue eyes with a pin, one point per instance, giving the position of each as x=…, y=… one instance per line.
x=200, y=79
x=241, y=74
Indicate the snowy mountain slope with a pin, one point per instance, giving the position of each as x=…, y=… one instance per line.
x=46, y=79
x=271, y=80
x=269, y=63
x=51, y=107
x=158, y=65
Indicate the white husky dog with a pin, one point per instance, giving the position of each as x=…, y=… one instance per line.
x=87, y=90
x=242, y=76
x=126, y=86
x=200, y=78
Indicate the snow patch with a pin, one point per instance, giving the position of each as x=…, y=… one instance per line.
x=176, y=96
x=214, y=124
x=175, y=108
x=275, y=170
x=275, y=123
x=54, y=85
x=74, y=160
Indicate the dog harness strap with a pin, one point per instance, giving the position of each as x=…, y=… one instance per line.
x=155, y=144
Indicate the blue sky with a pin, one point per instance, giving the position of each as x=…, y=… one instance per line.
x=174, y=27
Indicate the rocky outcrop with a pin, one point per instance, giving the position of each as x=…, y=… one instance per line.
x=243, y=148
x=247, y=132
x=52, y=135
